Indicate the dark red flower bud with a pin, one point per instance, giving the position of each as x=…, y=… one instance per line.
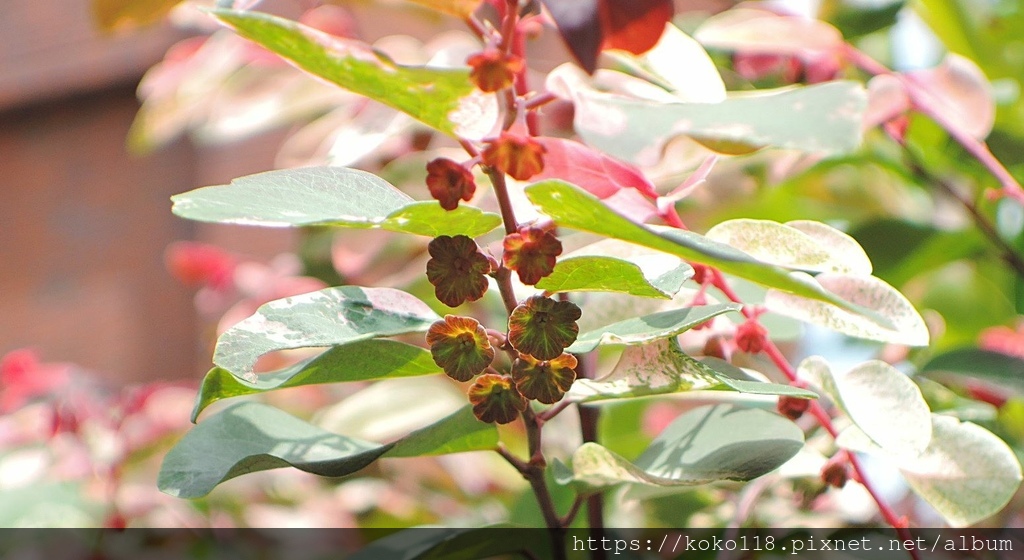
x=792, y=407
x=449, y=182
x=751, y=337
x=493, y=70
x=531, y=253
x=836, y=471
x=521, y=157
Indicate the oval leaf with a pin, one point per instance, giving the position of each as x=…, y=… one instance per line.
x=610, y=274
x=321, y=196
x=251, y=437
x=444, y=99
x=328, y=317
x=359, y=361
x=824, y=118
x=967, y=474
x=883, y=402
x=899, y=322
x=963, y=94
x=704, y=445
x=782, y=245
x=649, y=327
x=1000, y=369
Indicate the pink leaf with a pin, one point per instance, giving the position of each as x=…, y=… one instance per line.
x=593, y=171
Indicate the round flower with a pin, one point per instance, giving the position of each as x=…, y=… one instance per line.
x=521, y=157
x=493, y=70
x=457, y=269
x=496, y=399
x=531, y=253
x=460, y=347
x=449, y=181
x=543, y=327
x=544, y=381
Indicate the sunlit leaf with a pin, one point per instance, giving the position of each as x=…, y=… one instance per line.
x=704, y=445
x=251, y=437
x=649, y=327
x=806, y=245
x=444, y=99
x=824, y=118
x=329, y=317
x=905, y=325
x=685, y=67
x=636, y=276
x=878, y=398
x=962, y=94
x=661, y=367
x=570, y=207
x=359, y=361
x=327, y=196
x=966, y=473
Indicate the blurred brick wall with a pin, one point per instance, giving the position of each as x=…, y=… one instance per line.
x=83, y=225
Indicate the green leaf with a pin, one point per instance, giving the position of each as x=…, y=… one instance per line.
x=883, y=402
x=360, y=361
x=966, y=473
x=1003, y=370
x=856, y=21
x=661, y=367
x=649, y=327
x=824, y=118
x=801, y=245
x=329, y=317
x=611, y=274
x=921, y=248
x=429, y=543
x=571, y=207
x=444, y=99
x=704, y=445
x=47, y=504
x=901, y=323
x=327, y=196
x=251, y=437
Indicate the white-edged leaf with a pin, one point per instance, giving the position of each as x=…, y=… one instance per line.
x=966, y=473
x=804, y=245
x=883, y=402
x=328, y=317
x=638, y=330
x=895, y=320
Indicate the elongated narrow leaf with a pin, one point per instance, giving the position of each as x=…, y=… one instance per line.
x=661, y=367
x=573, y=208
x=704, y=445
x=359, y=361
x=902, y=323
x=251, y=437
x=318, y=196
x=649, y=327
x=824, y=118
x=883, y=402
x=810, y=246
x=444, y=99
x=329, y=317
x=966, y=473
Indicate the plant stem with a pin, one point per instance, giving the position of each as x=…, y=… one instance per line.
x=589, y=417
x=1009, y=254
x=924, y=101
